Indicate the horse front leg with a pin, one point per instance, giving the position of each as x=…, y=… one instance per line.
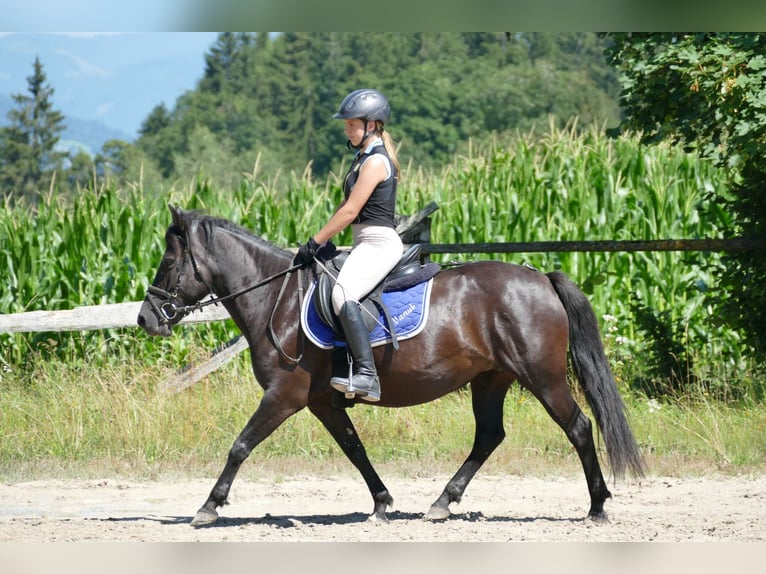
x=271, y=413
x=487, y=396
x=339, y=425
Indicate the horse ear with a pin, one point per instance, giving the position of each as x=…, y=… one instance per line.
x=178, y=219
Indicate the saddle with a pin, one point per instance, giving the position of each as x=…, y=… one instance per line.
x=406, y=273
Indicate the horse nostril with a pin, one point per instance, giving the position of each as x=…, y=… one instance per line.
x=141, y=321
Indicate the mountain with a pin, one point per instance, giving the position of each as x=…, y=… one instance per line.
x=104, y=84
x=89, y=134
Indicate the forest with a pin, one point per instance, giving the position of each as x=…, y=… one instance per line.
x=270, y=99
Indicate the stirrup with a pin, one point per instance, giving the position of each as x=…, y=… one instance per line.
x=341, y=382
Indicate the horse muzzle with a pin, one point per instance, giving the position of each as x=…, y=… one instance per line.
x=156, y=318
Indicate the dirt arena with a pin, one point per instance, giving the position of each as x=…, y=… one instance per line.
x=327, y=509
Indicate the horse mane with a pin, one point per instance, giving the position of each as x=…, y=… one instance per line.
x=210, y=224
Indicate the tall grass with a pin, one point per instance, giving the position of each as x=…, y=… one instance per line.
x=74, y=420
x=562, y=186
x=104, y=245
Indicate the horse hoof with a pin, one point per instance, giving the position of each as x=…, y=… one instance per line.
x=437, y=513
x=378, y=518
x=204, y=517
x=600, y=518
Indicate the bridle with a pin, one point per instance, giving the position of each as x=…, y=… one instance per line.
x=168, y=311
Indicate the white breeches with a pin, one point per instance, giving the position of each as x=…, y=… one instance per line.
x=375, y=251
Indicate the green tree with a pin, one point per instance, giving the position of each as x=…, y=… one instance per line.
x=708, y=91
x=159, y=138
x=79, y=171
x=28, y=154
x=273, y=97
x=223, y=64
x=123, y=164
x=209, y=160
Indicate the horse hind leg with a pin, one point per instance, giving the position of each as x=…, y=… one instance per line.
x=554, y=394
x=487, y=396
x=579, y=431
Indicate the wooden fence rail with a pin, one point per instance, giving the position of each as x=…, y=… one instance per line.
x=736, y=244
x=93, y=317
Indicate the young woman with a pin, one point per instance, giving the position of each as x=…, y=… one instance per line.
x=369, y=207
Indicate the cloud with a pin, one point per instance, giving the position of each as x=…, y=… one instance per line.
x=83, y=68
x=104, y=109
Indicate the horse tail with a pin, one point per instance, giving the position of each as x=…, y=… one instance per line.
x=592, y=370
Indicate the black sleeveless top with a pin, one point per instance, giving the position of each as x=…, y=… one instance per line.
x=381, y=206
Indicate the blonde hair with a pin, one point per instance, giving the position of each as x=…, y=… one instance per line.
x=388, y=143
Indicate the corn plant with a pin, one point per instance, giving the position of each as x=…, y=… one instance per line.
x=103, y=245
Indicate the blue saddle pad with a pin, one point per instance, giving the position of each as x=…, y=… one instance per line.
x=408, y=309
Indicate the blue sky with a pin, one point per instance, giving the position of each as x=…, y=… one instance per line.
x=116, y=15
x=115, y=78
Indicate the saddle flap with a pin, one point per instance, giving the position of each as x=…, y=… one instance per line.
x=406, y=273
x=323, y=300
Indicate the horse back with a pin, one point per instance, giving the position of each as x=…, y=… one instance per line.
x=492, y=296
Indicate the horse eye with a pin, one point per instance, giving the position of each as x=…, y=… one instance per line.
x=168, y=262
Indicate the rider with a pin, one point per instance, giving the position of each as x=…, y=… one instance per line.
x=369, y=206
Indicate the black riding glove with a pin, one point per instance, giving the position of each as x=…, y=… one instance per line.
x=306, y=252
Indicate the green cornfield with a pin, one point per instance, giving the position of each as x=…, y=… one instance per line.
x=103, y=246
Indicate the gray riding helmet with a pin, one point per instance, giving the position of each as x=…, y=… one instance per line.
x=366, y=104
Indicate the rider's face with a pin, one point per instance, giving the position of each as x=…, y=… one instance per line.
x=355, y=131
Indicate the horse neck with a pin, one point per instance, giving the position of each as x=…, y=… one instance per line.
x=241, y=261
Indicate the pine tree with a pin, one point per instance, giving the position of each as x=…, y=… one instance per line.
x=157, y=138
x=28, y=154
x=221, y=63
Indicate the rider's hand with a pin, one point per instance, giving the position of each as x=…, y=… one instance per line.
x=306, y=252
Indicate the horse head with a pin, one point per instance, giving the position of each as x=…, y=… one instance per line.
x=180, y=281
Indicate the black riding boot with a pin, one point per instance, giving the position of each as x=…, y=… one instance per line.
x=364, y=381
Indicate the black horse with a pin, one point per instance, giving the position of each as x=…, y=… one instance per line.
x=490, y=324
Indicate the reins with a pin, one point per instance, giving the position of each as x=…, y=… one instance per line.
x=274, y=338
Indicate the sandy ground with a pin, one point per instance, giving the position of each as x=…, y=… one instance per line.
x=327, y=509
